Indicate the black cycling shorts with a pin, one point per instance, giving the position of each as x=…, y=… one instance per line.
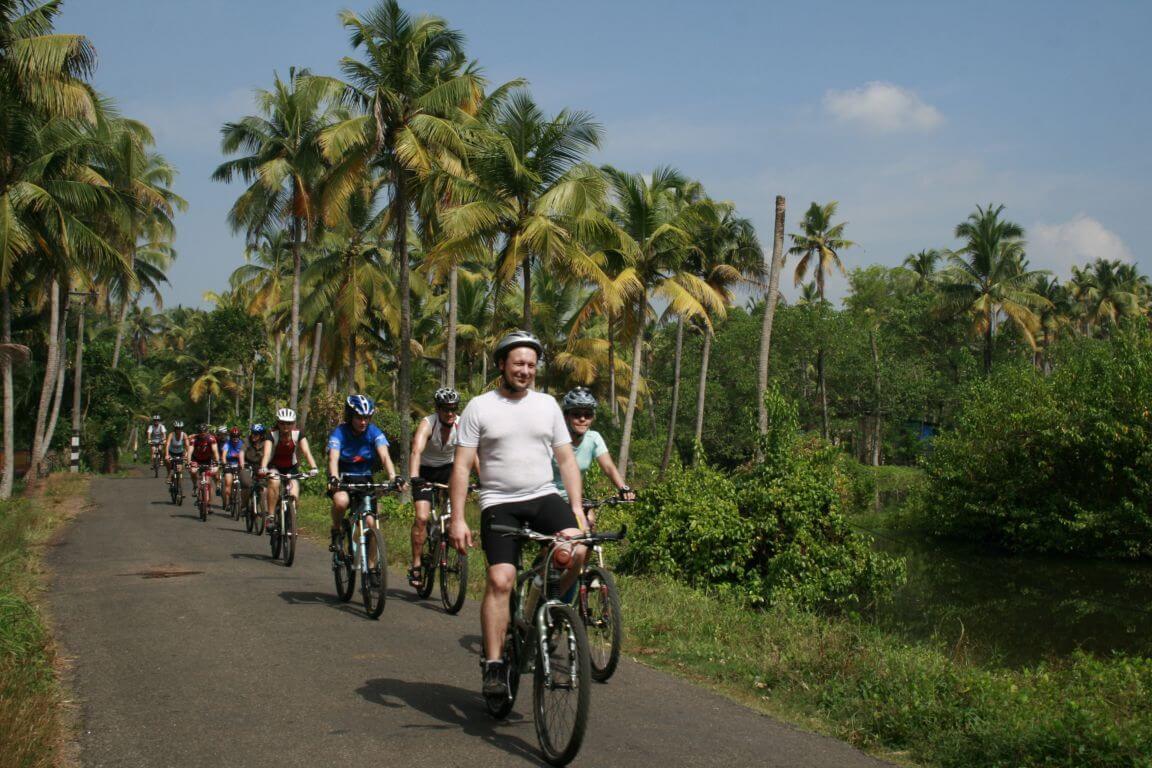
x=435, y=474
x=544, y=514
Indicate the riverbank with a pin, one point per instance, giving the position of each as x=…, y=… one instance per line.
x=31, y=703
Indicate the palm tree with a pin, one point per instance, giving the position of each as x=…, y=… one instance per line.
x=1106, y=292
x=988, y=277
x=771, y=297
x=285, y=169
x=410, y=87
x=818, y=245
x=923, y=264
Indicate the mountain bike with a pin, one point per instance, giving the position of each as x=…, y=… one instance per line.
x=204, y=489
x=176, y=484
x=255, y=509
x=232, y=507
x=598, y=604
x=438, y=555
x=545, y=636
x=282, y=533
x=156, y=450
x=361, y=547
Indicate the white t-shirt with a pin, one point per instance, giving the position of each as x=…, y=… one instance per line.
x=156, y=433
x=515, y=440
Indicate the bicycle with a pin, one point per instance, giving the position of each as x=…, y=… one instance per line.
x=553, y=645
x=175, y=484
x=156, y=449
x=254, y=509
x=357, y=539
x=598, y=604
x=439, y=555
x=204, y=489
x=232, y=507
x=282, y=533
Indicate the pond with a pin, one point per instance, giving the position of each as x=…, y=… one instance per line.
x=1016, y=609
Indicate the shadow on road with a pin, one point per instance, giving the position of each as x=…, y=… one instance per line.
x=251, y=556
x=455, y=707
x=324, y=598
x=193, y=516
x=471, y=643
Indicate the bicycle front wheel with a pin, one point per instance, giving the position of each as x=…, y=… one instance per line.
x=174, y=492
x=501, y=706
x=288, y=534
x=250, y=514
x=344, y=567
x=202, y=502
x=374, y=576
x=600, y=609
x=428, y=562
x=274, y=536
x=560, y=694
x=453, y=578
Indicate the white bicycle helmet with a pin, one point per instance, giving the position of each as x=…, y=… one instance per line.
x=517, y=339
x=285, y=414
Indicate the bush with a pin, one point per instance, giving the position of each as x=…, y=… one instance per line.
x=772, y=534
x=1059, y=463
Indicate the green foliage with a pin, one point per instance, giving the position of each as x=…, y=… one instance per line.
x=111, y=399
x=1058, y=463
x=772, y=534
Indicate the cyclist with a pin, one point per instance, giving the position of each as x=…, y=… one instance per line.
x=253, y=453
x=513, y=431
x=281, y=455
x=232, y=452
x=354, y=449
x=175, y=446
x=156, y=437
x=205, y=453
x=433, y=448
x=221, y=434
x=579, y=407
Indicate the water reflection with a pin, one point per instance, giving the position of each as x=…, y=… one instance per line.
x=1018, y=609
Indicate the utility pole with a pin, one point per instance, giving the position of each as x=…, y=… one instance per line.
x=78, y=369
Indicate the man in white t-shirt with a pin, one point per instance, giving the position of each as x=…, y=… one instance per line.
x=515, y=432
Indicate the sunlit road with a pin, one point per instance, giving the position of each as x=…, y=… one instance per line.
x=190, y=647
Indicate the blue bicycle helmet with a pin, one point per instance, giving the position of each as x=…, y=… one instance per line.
x=258, y=429
x=358, y=405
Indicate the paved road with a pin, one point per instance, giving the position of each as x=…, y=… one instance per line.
x=242, y=662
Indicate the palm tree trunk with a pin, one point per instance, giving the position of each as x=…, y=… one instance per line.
x=120, y=333
x=671, y=439
x=705, y=356
x=450, y=347
x=988, y=344
x=876, y=384
x=9, y=470
x=61, y=369
x=77, y=372
x=353, y=355
x=774, y=270
x=294, y=334
x=404, y=393
x=613, y=406
x=252, y=394
x=51, y=362
x=276, y=366
x=527, y=292
x=823, y=392
x=630, y=411
x=312, y=368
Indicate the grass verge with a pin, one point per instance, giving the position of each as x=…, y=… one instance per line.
x=30, y=697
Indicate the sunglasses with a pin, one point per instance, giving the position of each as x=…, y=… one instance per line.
x=581, y=414
x=447, y=409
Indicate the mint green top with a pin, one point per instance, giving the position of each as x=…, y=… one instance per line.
x=591, y=447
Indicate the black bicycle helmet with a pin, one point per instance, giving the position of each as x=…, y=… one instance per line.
x=446, y=396
x=580, y=397
x=517, y=339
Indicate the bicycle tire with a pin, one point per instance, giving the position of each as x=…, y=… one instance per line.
x=274, y=536
x=561, y=698
x=202, y=501
x=453, y=578
x=155, y=467
x=599, y=609
x=260, y=510
x=288, y=535
x=344, y=566
x=250, y=513
x=428, y=563
x=173, y=492
x=374, y=594
x=501, y=706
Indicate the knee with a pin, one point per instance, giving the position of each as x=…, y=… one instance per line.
x=501, y=580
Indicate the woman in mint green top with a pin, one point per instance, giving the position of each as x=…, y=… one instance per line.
x=579, y=407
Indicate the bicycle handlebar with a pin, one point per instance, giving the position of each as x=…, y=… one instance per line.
x=366, y=488
x=611, y=501
x=422, y=483
x=527, y=534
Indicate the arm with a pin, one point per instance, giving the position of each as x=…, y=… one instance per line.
x=419, y=441
x=458, y=531
x=573, y=483
x=386, y=460
x=243, y=450
x=333, y=462
x=609, y=468
x=267, y=455
x=307, y=453
x=216, y=452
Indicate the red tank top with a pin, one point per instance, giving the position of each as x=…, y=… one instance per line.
x=202, y=448
x=284, y=449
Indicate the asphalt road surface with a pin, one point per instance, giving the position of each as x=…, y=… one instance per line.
x=190, y=647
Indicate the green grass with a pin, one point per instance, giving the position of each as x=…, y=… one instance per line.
x=29, y=693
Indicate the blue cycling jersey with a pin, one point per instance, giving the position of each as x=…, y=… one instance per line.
x=357, y=452
x=232, y=450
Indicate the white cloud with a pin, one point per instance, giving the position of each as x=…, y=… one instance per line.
x=1081, y=239
x=883, y=108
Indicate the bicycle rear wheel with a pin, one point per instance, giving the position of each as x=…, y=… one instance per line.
x=560, y=695
x=453, y=577
x=344, y=567
x=288, y=535
x=599, y=608
x=428, y=562
x=374, y=583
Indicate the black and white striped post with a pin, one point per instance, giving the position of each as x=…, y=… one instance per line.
x=77, y=370
x=75, y=465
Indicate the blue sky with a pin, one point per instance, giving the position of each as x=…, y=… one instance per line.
x=907, y=113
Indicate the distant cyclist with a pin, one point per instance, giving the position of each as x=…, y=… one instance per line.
x=157, y=434
x=514, y=431
x=232, y=453
x=253, y=453
x=356, y=448
x=205, y=453
x=282, y=455
x=433, y=449
x=176, y=446
x=221, y=435
x=579, y=406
